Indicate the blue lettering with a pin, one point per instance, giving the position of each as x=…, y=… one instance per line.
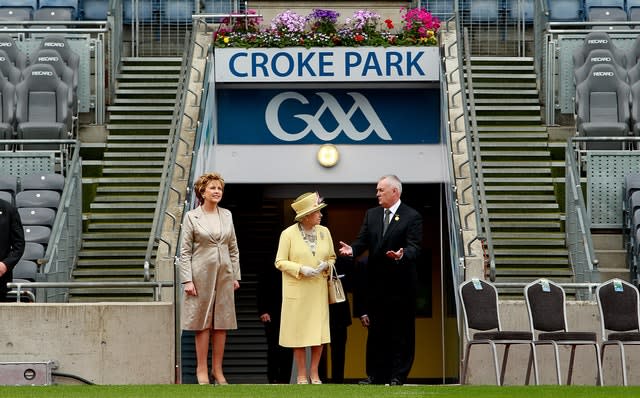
x=394, y=59
x=259, y=60
x=325, y=64
x=232, y=64
x=413, y=63
x=303, y=63
x=351, y=60
x=274, y=64
x=371, y=63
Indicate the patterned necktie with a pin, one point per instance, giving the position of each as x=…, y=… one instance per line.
x=387, y=216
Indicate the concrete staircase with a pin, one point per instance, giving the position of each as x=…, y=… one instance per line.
x=125, y=182
x=518, y=172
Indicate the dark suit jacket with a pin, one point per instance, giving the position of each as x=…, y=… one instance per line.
x=11, y=243
x=388, y=278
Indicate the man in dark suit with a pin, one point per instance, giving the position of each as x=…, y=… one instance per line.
x=11, y=245
x=269, y=300
x=392, y=233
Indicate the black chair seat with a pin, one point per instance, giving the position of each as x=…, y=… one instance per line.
x=625, y=336
x=560, y=336
x=503, y=335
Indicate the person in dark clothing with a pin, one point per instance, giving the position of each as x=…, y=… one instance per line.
x=339, y=321
x=11, y=245
x=269, y=299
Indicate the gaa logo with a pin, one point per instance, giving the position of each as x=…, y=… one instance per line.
x=313, y=119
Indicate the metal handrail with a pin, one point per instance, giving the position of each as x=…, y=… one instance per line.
x=156, y=285
x=473, y=146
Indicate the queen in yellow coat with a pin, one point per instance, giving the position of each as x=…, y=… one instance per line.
x=305, y=255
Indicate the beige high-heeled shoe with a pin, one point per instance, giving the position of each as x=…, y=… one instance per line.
x=302, y=380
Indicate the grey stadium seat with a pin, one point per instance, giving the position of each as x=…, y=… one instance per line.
x=7, y=107
x=14, y=14
x=64, y=72
x=9, y=183
x=8, y=69
x=596, y=40
x=38, y=198
x=96, y=10
x=6, y=196
x=61, y=45
x=37, y=233
x=25, y=269
x=603, y=106
x=633, y=53
x=16, y=56
x=53, y=14
x=33, y=251
x=565, y=10
x=42, y=108
x=635, y=108
x=47, y=181
x=37, y=216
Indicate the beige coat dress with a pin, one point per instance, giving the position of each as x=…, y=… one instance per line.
x=305, y=303
x=209, y=258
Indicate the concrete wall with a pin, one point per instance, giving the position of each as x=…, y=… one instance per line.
x=119, y=343
x=581, y=316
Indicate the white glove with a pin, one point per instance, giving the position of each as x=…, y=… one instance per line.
x=308, y=271
x=322, y=266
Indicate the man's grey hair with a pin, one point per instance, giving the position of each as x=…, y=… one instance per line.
x=393, y=181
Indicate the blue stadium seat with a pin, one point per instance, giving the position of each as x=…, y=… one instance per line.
x=177, y=11
x=633, y=10
x=521, y=10
x=485, y=11
x=95, y=10
x=144, y=11
x=33, y=4
x=565, y=10
x=223, y=6
x=54, y=14
x=15, y=14
x=605, y=10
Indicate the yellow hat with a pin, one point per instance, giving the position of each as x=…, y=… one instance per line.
x=307, y=203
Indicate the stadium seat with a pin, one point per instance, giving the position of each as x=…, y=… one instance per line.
x=15, y=14
x=37, y=233
x=33, y=251
x=37, y=216
x=8, y=69
x=548, y=322
x=595, y=57
x=565, y=10
x=8, y=183
x=71, y=5
x=485, y=11
x=605, y=10
x=95, y=10
x=64, y=72
x=633, y=10
x=42, y=104
x=603, y=106
x=6, y=196
x=480, y=310
x=47, y=181
x=61, y=45
x=144, y=12
x=177, y=11
x=619, y=306
x=7, y=107
x=596, y=40
x=28, y=4
x=16, y=56
x=53, y=14
x=38, y=198
x=25, y=269
x=521, y=10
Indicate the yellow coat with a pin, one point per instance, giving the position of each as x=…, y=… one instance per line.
x=305, y=304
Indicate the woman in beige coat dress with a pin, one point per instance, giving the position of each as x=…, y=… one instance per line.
x=305, y=255
x=210, y=272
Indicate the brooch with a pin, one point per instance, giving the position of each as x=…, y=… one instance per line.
x=397, y=218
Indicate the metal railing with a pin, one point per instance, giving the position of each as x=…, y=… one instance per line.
x=20, y=287
x=578, y=223
x=476, y=173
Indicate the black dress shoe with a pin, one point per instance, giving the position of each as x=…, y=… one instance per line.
x=367, y=381
x=395, y=382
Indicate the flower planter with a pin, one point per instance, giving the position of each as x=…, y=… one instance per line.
x=388, y=9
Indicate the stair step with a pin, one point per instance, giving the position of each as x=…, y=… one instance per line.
x=109, y=262
x=144, y=101
x=127, y=126
x=513, y=144
x=123, y=163
x=139, y=109
x=88, y=236
x=132, y=181
x=524, y=206
x=542, y=261
x=129, y=170
x=529, y=271
x=528, y=235
x=489, y=91
x=506, y=108
x=525, y=163
x=524, y=224
x=123, y=155
x=122, y=252
x=528, y=215
x=527, y=153
x=121, y=206
x=126, y=198
x=108, y=273
x=119, y=216
x=519, y=198
x=144, y=93
x=507, y=118
x=502, y=76
x=109, y=244
x=531, y=252
x=127, y=190
x=514, y=135
x=127, y=117
x=528, y=242
x=513, y=128
x=518, y=188
x=516, y=170
x=532, y=180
